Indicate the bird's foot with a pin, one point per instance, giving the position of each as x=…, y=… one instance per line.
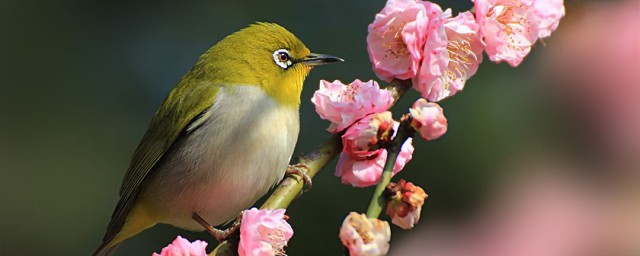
x=301, y=170
x=220, y=235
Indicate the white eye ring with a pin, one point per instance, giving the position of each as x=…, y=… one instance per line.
x=282, y=63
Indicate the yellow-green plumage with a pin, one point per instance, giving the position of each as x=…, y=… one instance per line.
x=222, y=137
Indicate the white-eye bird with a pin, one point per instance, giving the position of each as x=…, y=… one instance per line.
x=222, y=137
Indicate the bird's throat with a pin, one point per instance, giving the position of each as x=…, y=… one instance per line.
x=287, y=89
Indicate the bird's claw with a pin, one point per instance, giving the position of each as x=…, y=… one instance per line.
x=219, y=234
x=301, y=170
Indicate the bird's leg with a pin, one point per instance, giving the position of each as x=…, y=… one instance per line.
x=220, y=235
x=301, y=170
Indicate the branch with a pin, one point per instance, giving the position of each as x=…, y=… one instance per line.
x=291, y=187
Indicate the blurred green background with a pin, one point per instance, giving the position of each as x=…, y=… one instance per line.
x=81, y=79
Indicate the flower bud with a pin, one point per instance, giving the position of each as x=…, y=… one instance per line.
x=405, y=203
x=365, y=236
x=428, y=119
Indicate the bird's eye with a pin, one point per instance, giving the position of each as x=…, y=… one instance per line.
x=282, y=58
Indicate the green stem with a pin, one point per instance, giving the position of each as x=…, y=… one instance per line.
x=378, y=200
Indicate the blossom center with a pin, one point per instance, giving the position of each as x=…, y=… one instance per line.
x=349, y=92
x=275, y=238
x=394, y=45
x=362, y=231
x=461, y=56
x=512, y=20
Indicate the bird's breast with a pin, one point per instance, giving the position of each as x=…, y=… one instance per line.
x=231, y=160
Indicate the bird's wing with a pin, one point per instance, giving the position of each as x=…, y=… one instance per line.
x=182, y=111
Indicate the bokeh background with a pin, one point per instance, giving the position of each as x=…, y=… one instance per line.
x=543, y=159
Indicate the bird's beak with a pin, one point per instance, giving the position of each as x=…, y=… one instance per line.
x=315, y=59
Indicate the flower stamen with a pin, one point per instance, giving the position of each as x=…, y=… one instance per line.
x=395, y=48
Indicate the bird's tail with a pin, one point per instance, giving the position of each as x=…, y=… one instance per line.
x=137, y=221
x=105, y=249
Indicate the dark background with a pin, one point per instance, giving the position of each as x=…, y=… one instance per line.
x=81, y=79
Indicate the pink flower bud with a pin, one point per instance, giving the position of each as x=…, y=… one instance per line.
x=365, y=236
x=428, y=119
x=405, y=203
x=263, y=232
x=344, y=104
x=182, y=247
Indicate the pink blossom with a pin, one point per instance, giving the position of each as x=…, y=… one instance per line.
x=263, y=232
x=428, y=119
x=182, y=247
x=508, y=28
x=343, y=104
x=396, y=37
x=366, y=172
x=405, y=203
x=434, y=52
x=365, y=236
x=452, y=55
x=359, y=138
x=548, y=13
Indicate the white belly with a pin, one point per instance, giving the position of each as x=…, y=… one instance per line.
x=226, y=164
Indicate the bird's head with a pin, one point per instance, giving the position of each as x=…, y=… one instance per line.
x=264, y=55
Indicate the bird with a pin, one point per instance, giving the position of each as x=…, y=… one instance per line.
x=223, y=136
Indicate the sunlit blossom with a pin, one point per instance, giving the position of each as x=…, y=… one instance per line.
x=452, y=56
x=508, y=28
x=365, y=236
x=182, y=247
x=263, y=232
x=344, y=104
x=396, y=37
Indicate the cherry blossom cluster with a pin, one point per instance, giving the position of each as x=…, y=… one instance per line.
x=359, y=111
x=418, y=41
